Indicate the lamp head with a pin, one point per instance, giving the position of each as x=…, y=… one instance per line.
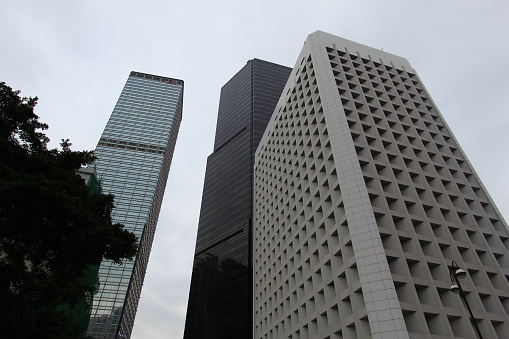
x=454, y=289
x=460, y=273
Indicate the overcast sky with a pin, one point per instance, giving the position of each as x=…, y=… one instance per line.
x=76, y=57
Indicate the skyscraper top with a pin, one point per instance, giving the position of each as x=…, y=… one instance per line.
x=351, y=47
x=317, y=40
x=157, y=77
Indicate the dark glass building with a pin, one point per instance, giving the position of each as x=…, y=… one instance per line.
x=220, y=299
x=133, y=161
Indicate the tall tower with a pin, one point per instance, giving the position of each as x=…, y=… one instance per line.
x=133, y=160
x=362, y=199
x=220, y=299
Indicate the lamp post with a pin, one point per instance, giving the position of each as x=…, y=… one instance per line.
x=456, y=273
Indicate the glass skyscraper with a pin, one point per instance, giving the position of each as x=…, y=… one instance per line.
x=220, y=298
x=133, y=161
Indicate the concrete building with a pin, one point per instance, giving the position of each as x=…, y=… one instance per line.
x=362, y=199
x=220, y=298
x=133, y=161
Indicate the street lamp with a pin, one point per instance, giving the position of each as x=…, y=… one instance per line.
x=456, y=273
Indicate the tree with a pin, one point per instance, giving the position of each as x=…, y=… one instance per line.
x=51, y=229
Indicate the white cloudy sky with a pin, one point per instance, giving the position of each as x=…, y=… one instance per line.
x=76, y=56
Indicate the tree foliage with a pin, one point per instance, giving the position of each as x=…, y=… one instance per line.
x=51, y=229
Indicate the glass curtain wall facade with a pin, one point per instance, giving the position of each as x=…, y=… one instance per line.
x=220, y=300
x=133, y=162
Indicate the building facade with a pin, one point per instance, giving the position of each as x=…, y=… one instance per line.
x=362, y=199
x=133, y=161
x=220, y=299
